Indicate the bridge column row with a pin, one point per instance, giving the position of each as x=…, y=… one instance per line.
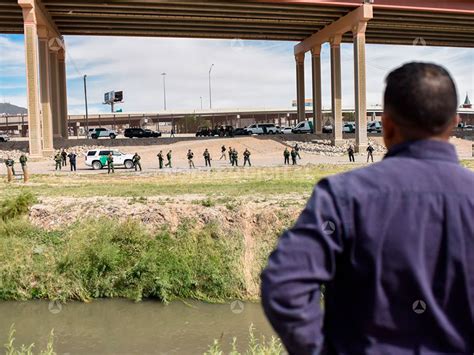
x=358, y=32
x=46, y=82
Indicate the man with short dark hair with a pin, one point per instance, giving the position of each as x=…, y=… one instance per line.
x=72, y=160
x=393, y=243
x=370, y=153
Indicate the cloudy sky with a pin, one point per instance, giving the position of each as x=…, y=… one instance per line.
x=245, y=74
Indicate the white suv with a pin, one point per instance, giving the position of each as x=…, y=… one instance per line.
x=262, y=128
x=97, y=159
x=96, y=133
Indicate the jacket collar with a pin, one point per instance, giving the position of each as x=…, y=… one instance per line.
x=429, y=149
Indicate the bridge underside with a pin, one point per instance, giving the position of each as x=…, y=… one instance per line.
x=311, y=22
x=450, y=25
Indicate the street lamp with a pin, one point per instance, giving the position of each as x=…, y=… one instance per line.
x=164, y=89
x=87, y=110
x=210, y=90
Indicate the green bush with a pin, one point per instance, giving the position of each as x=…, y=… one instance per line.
x=105, y=258
x=16, y=206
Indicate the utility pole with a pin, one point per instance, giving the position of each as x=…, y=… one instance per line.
x=210, y=89
x=87, y=110
x=201, y=102
x=164, y=89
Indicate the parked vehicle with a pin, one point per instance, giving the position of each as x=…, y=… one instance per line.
x=262, y=128
x=4, y=137
x=240, y=132
x=204, y=132
x=465, y=127
x=304, y=127
x=141, y=133
x=97, y=159
x=374, y=127
x=221, y=131
x=96, y=133
x=349, y=127
x=286, y=130
x=327, y=128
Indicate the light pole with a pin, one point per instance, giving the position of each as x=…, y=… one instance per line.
x=210, y=89
x=87, y=110
x=164, y=89
x=201, y=102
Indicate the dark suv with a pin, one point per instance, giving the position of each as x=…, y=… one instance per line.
x=140, y=133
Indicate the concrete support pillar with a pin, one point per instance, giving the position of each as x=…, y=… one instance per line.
x=32, y=79
x=336, y=90
x=63, y=93
x=55, y=104
x=45, y=93
x=317, y=91
x=300, y=95
x=360, y=87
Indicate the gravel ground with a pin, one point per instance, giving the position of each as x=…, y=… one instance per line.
x=265, y=152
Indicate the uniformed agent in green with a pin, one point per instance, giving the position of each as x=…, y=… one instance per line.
x=190, y=159
x=10, y=163
x=247, y=157
x=160, y=159
x=293, y=156
x=110, y=164
x=58, y=160
x=207, y=157
x=286, y=155
x=168, y=157
x=235, y=157
x=136, y=162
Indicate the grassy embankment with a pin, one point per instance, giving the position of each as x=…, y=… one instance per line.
x=101, y=257
x=104, y=258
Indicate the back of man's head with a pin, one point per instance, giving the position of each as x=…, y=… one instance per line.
x=421, y=99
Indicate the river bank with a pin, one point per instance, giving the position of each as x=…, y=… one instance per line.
x=81, y=249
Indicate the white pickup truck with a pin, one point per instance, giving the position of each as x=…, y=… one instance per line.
x=97, y=159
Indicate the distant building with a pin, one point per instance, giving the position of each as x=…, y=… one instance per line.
x=467, y=102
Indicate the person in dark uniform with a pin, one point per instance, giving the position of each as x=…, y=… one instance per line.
x=58, y=159
x=110, y=164
x=247, y=157
x=392, y=243
x=350, y=151
x=160, y=159
x=223, y=150
x=293, y=156
x=297, y=150
x=286, y=155
x=207, y=157
x=190, y=159
x=235, y=157
x=64, y=158
x=230, y=155
x=72, y=160
x=370, y=151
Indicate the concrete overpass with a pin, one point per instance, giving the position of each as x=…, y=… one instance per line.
x=310, y=22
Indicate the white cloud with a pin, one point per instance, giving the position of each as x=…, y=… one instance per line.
x=246, y=73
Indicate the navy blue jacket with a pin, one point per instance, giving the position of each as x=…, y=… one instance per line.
x=393, y=244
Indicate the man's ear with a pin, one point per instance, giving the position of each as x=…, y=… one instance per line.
x=388, y=130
